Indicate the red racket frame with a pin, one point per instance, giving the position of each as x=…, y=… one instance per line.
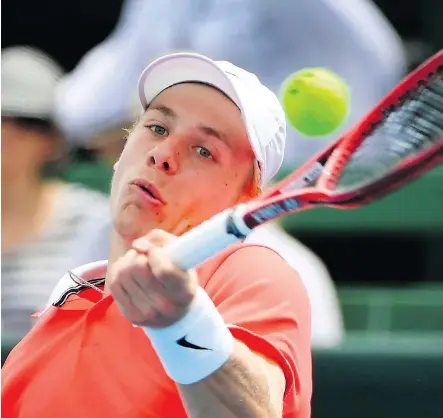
x=333, y=160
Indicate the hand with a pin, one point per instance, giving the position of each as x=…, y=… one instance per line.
x=148, y=288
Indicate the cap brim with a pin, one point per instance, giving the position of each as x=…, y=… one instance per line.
x=179, y=68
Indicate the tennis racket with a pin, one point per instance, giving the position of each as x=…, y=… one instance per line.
x=400, y=139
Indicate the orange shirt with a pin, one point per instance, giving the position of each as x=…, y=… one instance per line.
x=83, y=359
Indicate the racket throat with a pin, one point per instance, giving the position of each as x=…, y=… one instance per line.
x=235, y=223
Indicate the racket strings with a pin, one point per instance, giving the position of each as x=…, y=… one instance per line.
x=414, y=124
x=421, y=121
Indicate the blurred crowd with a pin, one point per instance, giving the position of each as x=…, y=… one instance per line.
x=51, y=225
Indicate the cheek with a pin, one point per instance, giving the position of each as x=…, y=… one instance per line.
x=130, y=160
x=130, y=153
x=220, y=190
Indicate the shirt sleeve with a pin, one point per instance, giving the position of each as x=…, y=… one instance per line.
x=266, y=306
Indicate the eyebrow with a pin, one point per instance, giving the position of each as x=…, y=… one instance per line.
x=167, y=111
x=207, y=130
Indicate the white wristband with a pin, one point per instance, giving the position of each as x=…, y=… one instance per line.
x=195, y=346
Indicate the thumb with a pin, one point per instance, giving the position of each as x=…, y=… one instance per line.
x=155, y=238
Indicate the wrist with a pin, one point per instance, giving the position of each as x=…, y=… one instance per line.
x=195, y=346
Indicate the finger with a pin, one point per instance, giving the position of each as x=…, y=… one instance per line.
x=154, y=308
x=173, y=279
x=142, y=245
x=139, y=283
x=149, y=288
x=123, y=270
x=160, y=238
x=125, y=303
x=147, y=293
x=142, y=274
x=155, y=238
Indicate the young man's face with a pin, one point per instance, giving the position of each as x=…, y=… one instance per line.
x=191, y=150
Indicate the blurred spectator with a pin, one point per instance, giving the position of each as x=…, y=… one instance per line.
x=43, y=219
x=271, y=38
x=274, y=38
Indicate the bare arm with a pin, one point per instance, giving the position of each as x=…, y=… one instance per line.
x=246, y=386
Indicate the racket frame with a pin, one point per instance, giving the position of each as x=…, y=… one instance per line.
x=234, y=224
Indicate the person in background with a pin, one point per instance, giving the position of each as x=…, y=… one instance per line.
x=44, y=220
x=327, y=328
x=271, y=38
x=275, y=38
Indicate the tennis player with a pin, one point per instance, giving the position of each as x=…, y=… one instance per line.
x=138, y=337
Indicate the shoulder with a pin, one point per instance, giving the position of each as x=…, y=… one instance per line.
x=258, y=258
x=251, y=257
x=252, y=271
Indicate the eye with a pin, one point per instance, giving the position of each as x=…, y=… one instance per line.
x=203, y=152
x=159, y=130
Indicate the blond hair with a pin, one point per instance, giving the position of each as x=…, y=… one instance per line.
x=253, y=188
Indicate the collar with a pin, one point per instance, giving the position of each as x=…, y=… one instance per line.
x=91, y=272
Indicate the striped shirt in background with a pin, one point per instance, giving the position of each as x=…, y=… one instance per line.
x=31, y=271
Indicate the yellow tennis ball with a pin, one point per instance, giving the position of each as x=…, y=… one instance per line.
x=316, y=101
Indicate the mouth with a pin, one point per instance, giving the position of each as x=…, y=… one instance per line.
x=150, y=191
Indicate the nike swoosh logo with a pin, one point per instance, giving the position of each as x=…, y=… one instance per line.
x=183, y=342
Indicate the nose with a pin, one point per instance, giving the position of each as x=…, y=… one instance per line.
x=164, y=157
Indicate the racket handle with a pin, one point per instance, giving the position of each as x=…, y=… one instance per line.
x=209, y=238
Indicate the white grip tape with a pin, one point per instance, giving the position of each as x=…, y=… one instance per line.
x=207, y=344
x=207, y=239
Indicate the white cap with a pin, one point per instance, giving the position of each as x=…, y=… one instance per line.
x=29, y=81
x=261, y=110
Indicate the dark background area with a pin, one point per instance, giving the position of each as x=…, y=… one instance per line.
x=66, y=30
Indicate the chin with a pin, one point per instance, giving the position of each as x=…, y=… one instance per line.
x=132, y=224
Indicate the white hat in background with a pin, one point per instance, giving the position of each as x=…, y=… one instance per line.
x=261, y=110
x=29, y=81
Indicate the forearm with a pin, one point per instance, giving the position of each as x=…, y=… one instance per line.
x=217, y=375
x=240, y=388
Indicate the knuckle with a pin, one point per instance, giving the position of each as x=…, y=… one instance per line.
x=159, y=237
x=122, y=265
x=167, y=273
x=156, y=232
x=147, y=312
x=130, y=314
x=187, y=293
x=140, y=263
x=156, y=235
x=112, y=286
